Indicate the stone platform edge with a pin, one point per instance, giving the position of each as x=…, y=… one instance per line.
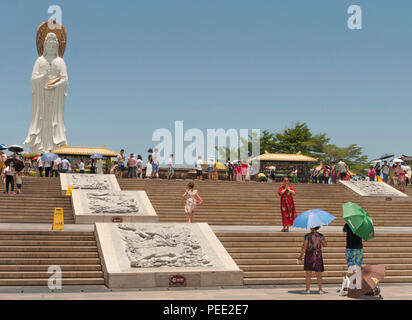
x=82, y=216
x=399, y=196
x=65, y=181
x=117, y=275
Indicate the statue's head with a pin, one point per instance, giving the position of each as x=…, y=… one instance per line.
x=51, y=45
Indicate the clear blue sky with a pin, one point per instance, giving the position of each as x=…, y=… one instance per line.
x=135, y=66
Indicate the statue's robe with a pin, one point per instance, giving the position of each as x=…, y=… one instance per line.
x=47, y=131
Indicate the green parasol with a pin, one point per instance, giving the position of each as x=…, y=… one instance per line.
x=358, y=220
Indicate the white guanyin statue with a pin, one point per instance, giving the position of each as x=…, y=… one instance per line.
x=49, y=85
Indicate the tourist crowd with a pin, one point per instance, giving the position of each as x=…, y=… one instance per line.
x=396, y=174
x=330, y=174
x=133, y=167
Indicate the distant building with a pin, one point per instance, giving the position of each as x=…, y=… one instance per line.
x=74, y=154
x=285, y=163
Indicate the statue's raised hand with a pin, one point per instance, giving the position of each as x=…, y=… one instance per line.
x=49, y=87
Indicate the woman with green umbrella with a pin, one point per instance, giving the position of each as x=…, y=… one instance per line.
x=354, y=248
x=358, y=226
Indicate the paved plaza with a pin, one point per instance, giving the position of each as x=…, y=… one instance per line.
x=389, y=292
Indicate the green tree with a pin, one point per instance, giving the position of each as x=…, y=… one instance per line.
x=294, y=139
x=351, y=155
x=268, y=142
x=300, y=138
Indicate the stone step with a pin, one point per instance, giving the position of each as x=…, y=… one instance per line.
x=49, y=237
x=41, y=275
x=330, y=267
x=48, y=254
x=331, y=280
x=289, y=245
x=25, y=257
x=43, y=232
x=49, y=261
x=44, y=268
x=33, y=219
x=326, y=260
x=46, y=243
x=299, y=238
x=337, y=249
x=325, y=274
x=44, y=282
x=48, y=249
x=366, y=254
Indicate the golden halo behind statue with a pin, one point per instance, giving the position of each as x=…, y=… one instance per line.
x=60, y=32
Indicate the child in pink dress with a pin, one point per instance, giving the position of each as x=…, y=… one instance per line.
x=245, y=167
x=239, y=172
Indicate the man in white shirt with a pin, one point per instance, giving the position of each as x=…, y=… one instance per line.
x=121, y=158
x=385, y=171
x=47, y=168
x=171, y=169
x=272, y=170
x=65, y=165
x=343, y=169
x=199, y=173
x=81, y=166
x=155, y=164
x=211, y=168
x=40, y=166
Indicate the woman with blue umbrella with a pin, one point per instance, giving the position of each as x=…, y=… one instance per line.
x=48, y=159
x=313, y=243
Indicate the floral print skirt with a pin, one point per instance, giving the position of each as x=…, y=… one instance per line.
x=313, y=261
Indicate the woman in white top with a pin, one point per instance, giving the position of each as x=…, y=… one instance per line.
x=9, y=173
x=139, y=166
x=192, y=197
x=81, y=166
x=149, y=167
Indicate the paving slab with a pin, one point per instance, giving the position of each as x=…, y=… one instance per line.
x=389, y=292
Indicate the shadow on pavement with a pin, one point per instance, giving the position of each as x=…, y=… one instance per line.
x=302, y=292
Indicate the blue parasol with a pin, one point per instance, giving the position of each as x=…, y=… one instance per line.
x=312, y=219
x=49, y=157
x=96, y=156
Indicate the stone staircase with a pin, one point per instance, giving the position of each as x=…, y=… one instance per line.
x=271, y=258
x=266, y=258
x=251, y=203
x=25, y=257
x=36, y=203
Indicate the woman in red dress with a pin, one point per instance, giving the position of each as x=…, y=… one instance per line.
x=287, y=206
